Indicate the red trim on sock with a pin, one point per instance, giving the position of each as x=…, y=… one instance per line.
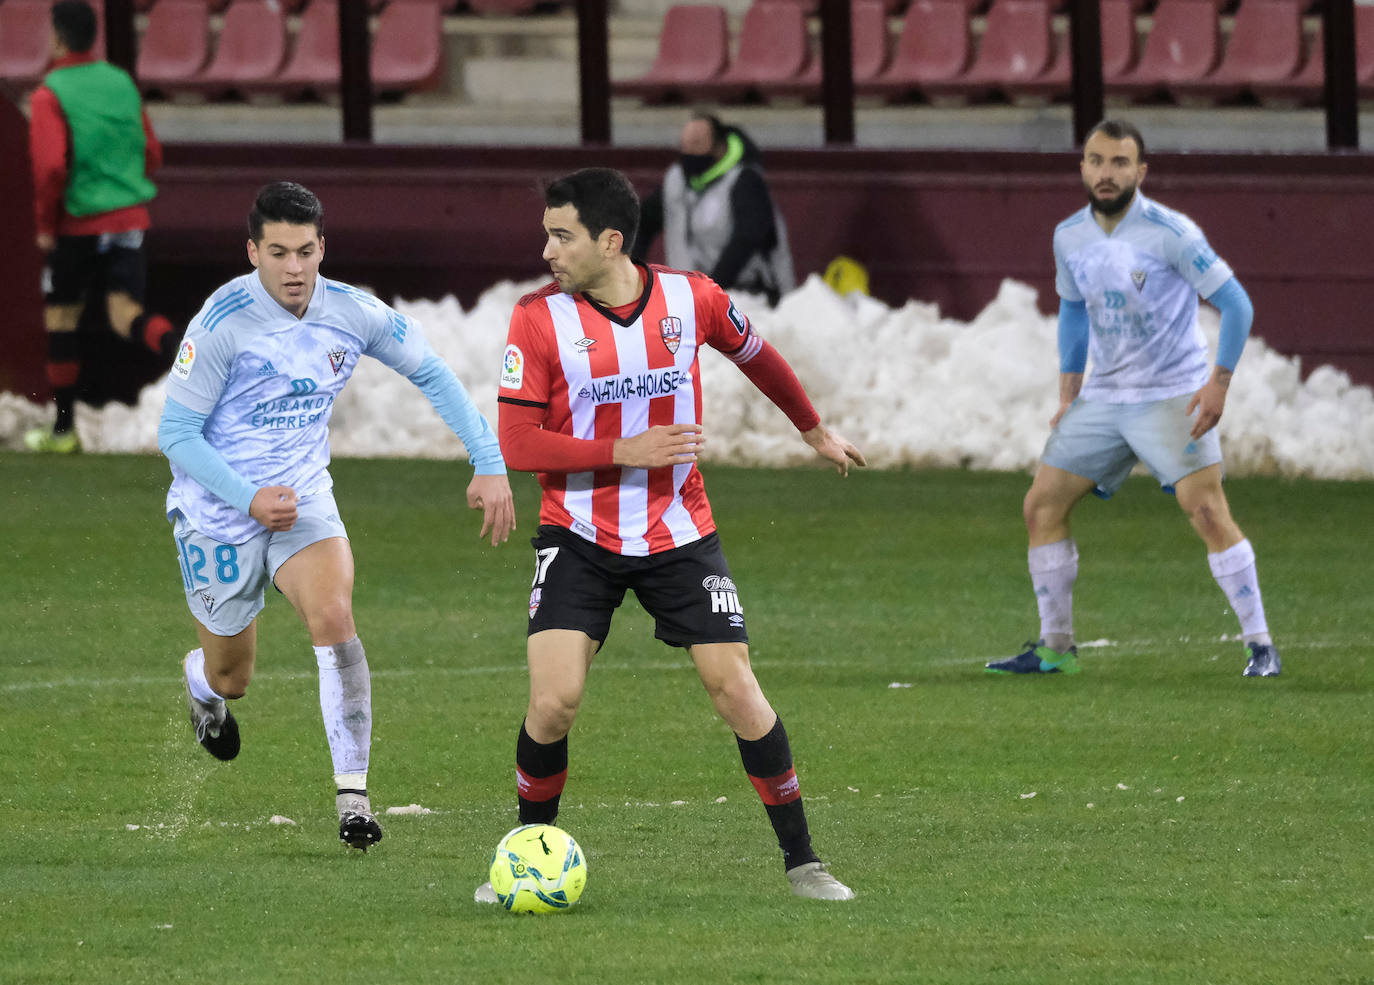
x=63, y=374
x=780, y=789
x=539, y=788
x=154, y=329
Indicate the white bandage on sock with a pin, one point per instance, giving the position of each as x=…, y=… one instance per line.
x=1053, y=570
x=1234, y=570
x=346, y=704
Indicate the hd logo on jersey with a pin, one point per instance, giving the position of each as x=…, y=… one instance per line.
x=1112, y=300
x=724, y=598
x=303, y=386
x=336, y=360
x=186, y=358
x=738, y=320
x=513, y=368
x=670, y=329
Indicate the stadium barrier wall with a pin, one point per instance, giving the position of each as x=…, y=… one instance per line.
x=938, y=226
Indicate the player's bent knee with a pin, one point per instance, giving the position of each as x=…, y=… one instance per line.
x=551, y=714
x=331, y=623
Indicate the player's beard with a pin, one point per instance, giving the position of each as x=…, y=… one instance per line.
x=1113, y=206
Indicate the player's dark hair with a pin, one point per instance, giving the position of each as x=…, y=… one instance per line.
x=285, y=201
x=604, y=199
x=73, y=21
x=1120, y=130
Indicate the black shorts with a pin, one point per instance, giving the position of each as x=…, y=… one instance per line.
x=110, y=262
x=687, y=590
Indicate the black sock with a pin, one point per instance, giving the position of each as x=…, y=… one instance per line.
x=540, y=772
x=768, y=761
x=64, y=369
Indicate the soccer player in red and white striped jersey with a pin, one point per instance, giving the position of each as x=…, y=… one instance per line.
x=601, y=395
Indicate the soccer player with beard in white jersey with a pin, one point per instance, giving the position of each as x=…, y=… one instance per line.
x=601, y=395
x=1129, y=273
x=246, y=428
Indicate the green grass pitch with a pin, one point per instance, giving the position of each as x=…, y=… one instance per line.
x=1157, y=818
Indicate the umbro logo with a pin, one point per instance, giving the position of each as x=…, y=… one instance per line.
x=267, y=370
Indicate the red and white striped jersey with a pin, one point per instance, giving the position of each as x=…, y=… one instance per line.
x=600, y=376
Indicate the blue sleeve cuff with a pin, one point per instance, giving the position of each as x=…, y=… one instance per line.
x=181, y=436
x=1237, y=315
x=451, y=400
x=1073, y=336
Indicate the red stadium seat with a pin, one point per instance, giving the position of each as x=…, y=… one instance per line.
x=1016, y=49
x=407, y=52
x=934, y=46
x=314, y=62
x=868, y=47
x=252, y=45
x=1305, y=86
x=175, y=44
x=1183, y=44
x=1364, y=50
x=24, y=41
x=693, y=47
x=506, y=7
x=1117, y=21
x=1265, y=46
x=773, y=50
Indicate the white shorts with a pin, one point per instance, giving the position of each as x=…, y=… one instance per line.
x=1102, y=442
x=226, y=583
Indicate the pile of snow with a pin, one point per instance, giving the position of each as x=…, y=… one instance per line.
x=908, y=387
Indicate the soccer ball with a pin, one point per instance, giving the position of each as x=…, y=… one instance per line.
x=538, y=868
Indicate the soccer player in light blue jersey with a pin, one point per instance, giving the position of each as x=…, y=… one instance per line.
x=246, y=428
x=1129, y=272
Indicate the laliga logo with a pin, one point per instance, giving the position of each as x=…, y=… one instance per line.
x=512, y=361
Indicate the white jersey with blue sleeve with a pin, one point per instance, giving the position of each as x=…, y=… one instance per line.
x=1141, y=286
x=267, y=382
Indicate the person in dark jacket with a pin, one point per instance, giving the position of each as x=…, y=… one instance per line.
x=716, y=214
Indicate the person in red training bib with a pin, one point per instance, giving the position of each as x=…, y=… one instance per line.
x=93, y=152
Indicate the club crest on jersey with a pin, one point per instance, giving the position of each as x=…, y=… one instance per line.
x=208, y=601
x=336, y=360
x=670, y=329
x=186, y=358
x=513, y=368
x=536, y=596
x=1138, y=279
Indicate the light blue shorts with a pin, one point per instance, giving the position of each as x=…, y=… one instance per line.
x=226, y=583
x=1102, y=442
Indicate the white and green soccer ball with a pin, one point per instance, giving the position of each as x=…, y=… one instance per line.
x=538, y=868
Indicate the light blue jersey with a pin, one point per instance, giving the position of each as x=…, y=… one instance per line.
x=1141, y=286
x=267, y=382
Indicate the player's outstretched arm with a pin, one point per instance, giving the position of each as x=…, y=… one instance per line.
x=834, y=447
x=491, y=494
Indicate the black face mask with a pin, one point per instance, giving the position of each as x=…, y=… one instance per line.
x=694, y=165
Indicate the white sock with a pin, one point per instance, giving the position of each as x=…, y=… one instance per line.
x=1053, y=570
x=346, y=704
x=194, y=667
x=1234, y=570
